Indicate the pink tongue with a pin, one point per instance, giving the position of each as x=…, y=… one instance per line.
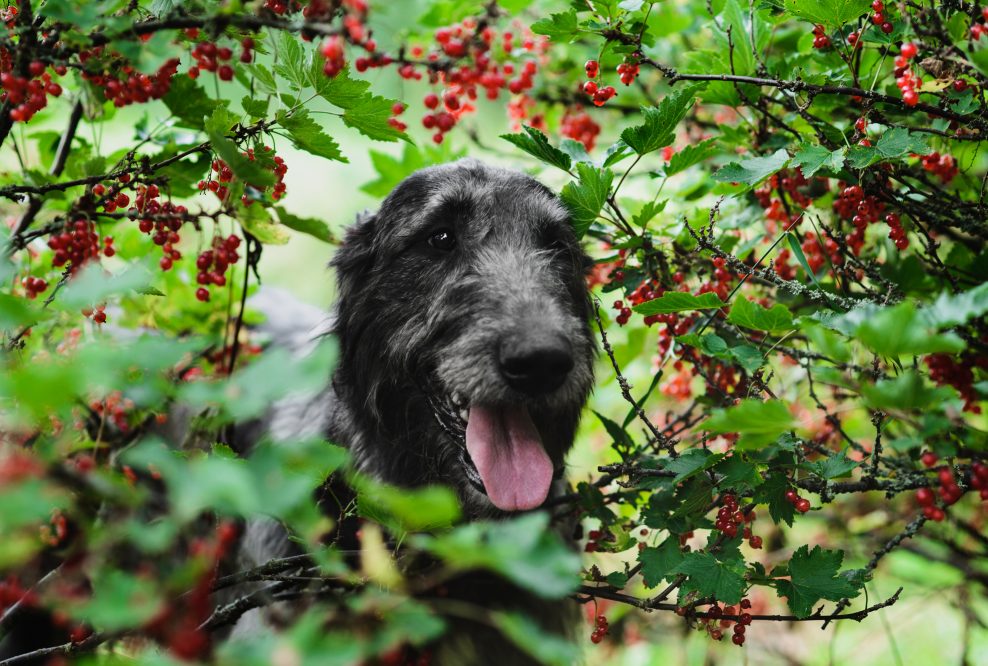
x=508, y=453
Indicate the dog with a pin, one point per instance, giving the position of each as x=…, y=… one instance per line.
x=465, y=359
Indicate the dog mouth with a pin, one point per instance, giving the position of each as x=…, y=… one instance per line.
x=500, y=450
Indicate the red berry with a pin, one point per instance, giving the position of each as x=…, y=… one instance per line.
x=910, y=97
x=202, y=294
x=592, y=68
x=431, y=101
x=792, y=496
x=925, y=497
x=960, y=85
x=802, y=505
x=225, y=72
x=909, y=50
x=929, y=459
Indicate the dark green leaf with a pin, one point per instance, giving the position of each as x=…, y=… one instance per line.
x=536, y=144
x=812, y=158
x=757, y=422
x=659, y=129
x=306, y=225
x=558, y=27
x=709, y=576
x=814, y=576
x=752, y=315
x=585, y=198
x=307, y=135
x=753, y=170
x=658, y=562
x=690, y=155
x=677, y=301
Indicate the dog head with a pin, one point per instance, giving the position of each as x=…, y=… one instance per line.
x=466, y=353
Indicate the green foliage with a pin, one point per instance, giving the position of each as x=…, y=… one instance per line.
x=814, y=575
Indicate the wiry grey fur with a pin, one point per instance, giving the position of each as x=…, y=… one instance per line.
x=419, y=333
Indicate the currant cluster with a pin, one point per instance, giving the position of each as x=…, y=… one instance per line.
x=943, y=166
x=114, y=409
x=714, y=623
x=906, y=81
x=56, y=532
x=178, y=625
x=593, y=541
x=730, y=519
x=880, y=17
x=75, y=245
x=213, y=264
x=579, y=126
x=601, y=629
x=944, y=370
x=820, y=39
x=979, y=479
x=853, y=204
x=26, y=95
x=801, y=504
x=212, y=58
x=120, y=83
x=978, y=29
x=628, y=71
x=896, y=232
x=815, y=252
x=33, y=286
x=599, y=94
x=160, y=220
x=97, y=313
x=800, y=191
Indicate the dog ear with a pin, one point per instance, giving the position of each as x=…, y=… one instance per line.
x=356, y=254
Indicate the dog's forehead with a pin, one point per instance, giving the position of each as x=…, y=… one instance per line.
x=469, y=189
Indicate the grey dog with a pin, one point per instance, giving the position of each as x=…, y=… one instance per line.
x=465, y=359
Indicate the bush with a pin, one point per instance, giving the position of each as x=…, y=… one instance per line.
x=786, y=205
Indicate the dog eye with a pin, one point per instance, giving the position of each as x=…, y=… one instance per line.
x=443, y=240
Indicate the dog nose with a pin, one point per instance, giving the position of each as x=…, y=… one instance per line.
x=535, y=364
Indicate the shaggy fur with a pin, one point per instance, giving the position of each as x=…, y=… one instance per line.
x=428, y=329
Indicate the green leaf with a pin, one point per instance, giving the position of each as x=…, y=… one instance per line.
x=905, y=392
x=897, y=142
x=812, y=158
x=119, y=601
x=862, y=157
x=291, y=59
x=954, y=309
x=900, y=331
x=647, y=213
x=256, y=108
x=748, y=357
x=249, y=171
x=536, y=144
x=709, y=576
x=341, y=90
x=737, y=473
x=189, y=102
x=307, y=135
x=814, y=576
x=585, y=198
x=754, y=170
x=558, y=27
x=834, y=466
x=752, y=315
x=523, y=550
x=545, y=647
x=370, y=115
x=690, y=155
x=757, y=422
x=92, y=285
x=831, y=13
x=677, y=301
x=256, y=220
x=412, y=509
x=659, y=129
x=306, y=225
x=577, y=151
x=657, y=562
x=691, y=463
x=773, y=493
x=618, y=434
